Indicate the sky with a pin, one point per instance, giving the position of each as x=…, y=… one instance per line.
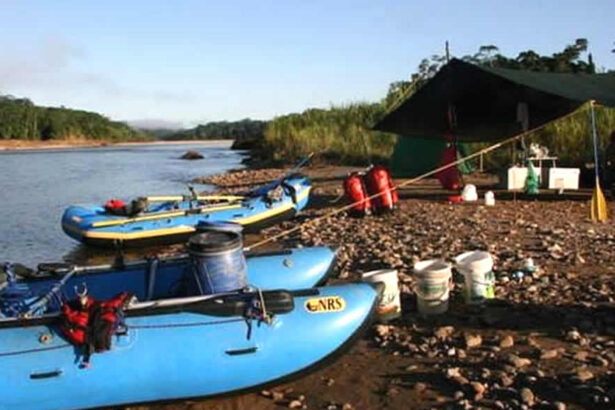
x=183, y=62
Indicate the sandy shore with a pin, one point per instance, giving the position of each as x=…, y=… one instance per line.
x=546, y=341
x=22, y=145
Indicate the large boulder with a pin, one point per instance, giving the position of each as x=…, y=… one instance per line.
x=192, y=155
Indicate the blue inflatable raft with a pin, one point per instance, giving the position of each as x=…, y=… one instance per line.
x=148, y=279
x=172, y=346
x=172, y=219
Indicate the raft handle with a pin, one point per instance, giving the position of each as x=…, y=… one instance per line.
x=237, y=352
x=46, y=375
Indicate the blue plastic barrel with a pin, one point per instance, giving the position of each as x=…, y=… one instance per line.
x=218, y=261
x=208, y=226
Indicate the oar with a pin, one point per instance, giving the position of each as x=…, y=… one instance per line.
x=177, y=198
x=42, y=302
x=297, y=167
x=598, y=207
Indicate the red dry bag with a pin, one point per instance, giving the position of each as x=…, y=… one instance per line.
x=114, y=205
x=449, y=178
x=378, y=181
x=355, y=191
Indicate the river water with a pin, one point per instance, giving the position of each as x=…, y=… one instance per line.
x=36, y=187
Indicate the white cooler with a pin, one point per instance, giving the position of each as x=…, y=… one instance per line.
x=516, y=177
x=564, y=178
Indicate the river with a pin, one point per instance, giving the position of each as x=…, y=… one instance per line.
x=36, y=187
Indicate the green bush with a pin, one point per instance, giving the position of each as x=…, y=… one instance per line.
x=339, y=134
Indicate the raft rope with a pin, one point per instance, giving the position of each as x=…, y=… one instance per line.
x=35, y=350
x=266, y=317
x=406, y=183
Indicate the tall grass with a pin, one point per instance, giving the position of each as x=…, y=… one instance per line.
x=568, y=139
x=339, y=134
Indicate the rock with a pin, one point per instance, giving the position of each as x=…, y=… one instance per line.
x=455, y=375
x=420, y=387
x=458, y=395
x=444, y=332
x=600, y=361
x=347, y=406
x=382, y=330
x=266, y=393
x=507, y=342
x=527, y=396
x=473, y=340
x=518, y=362
x=452, y=372
x=559, y=405
x=582, y=375
x=277, y=396
x=192, y=155
x=392, y=392
x=549, y=354
x=581, y=356
x=462, y=381
x=573, y=336
x=498, y=404
x=506, y=381
x=295, y=404
x=479, y=390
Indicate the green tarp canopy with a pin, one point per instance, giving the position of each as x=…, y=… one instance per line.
x=415, y=156
x=486, y=101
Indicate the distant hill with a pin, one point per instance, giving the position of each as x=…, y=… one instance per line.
x=21, y=119
x=242, y=130
x=158, y=133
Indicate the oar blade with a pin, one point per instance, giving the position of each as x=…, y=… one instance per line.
x=599, y=210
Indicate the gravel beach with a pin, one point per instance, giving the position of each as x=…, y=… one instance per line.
x=546, y=341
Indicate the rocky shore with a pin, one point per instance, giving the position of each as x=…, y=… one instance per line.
x=546, y=341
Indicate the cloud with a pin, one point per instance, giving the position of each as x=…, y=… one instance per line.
x=155, y=123
x=48, y=67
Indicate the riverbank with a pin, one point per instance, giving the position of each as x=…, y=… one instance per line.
x=547, y=340
x=24, y=145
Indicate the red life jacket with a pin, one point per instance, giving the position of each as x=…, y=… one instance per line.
x=81, y=325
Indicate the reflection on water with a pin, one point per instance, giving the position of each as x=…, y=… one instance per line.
x=37, y=186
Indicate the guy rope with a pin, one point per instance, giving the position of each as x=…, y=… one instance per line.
x=405, y=183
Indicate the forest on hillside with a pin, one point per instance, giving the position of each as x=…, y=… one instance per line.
x=23, y=120
x=343, y=132
x=235, y=130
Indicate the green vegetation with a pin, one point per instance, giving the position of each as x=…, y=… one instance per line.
x=237, y=130
x=569, y=139
x=21, y=119
x=342, y=133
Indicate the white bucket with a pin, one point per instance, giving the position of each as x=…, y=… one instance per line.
x=477, y=269
x=433, y=286
x=389, y=307
x=489, y=198
x=469, y=193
